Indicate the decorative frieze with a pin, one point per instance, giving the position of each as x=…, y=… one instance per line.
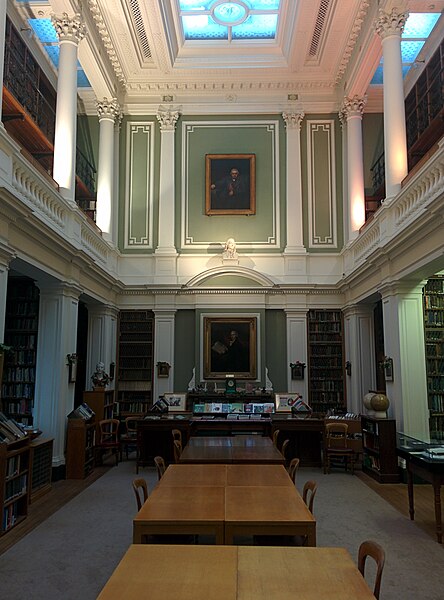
x=69, y=29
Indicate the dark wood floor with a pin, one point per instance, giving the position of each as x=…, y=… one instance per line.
x=63, y=491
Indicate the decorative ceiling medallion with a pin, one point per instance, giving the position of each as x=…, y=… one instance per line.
x=230, y=13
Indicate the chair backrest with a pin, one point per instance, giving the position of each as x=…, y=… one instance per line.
x=375, y=551
x=109, y=431
x=131, y=426
x=309, y=493
x=177, y=435
x=284, y=447
x=275, y=437
x=336, y=435
x=293, y=469
x=160, y=466
x=177, y=450
x=140, y=486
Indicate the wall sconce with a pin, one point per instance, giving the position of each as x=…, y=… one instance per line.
x=112, y=371
x=348, y=368
x=387, y=365
x=163, y=369
x=72, y=364
x=297, y=370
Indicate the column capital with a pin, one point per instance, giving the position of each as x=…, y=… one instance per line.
x=352, y=107
x=108, y=109
x=293, y=120
x=167, y=119
x=69, y=29
x=392, y=23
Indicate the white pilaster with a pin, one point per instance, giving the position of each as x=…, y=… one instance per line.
x=71, y=31
x=102, y=339
x=360, y=353
x=5, y=258
x=295, y=240
x=297, y=349
x=390, y=26
x=108, y=111
x=115, y=209
x=164, y=321
x=57, y=337
x=352, y=109
x=2, y=50
x=404, y=343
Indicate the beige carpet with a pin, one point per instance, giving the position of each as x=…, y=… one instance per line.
x=73, y=553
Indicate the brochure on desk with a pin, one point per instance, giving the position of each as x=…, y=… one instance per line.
x=232, y=408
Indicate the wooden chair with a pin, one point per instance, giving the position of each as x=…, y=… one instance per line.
x=293, y=469
x=177, y=450
x=336, y=446
x=108, y=438
x=128, y=438
x=177, y=435
x=140, y=487
x=309, y=493
x=375, y=551
x=284, y=449
x=275, y=437
x=160, y=466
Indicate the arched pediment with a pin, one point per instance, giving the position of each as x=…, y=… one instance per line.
x=230, y=277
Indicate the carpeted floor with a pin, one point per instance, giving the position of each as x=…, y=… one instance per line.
x=73, y=553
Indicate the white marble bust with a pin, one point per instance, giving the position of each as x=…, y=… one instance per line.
x=230, y=251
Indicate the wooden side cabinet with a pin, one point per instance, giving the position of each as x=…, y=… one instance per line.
x=14, y=483
x=80, y=448
x=41, y=467
x=379, y=459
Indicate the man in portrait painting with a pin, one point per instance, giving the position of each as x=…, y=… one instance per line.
x=230, y=354
x=231, y=191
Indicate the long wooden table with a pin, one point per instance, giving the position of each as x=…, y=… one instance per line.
x=235, y=573
x=225, y=501
x=242, y=449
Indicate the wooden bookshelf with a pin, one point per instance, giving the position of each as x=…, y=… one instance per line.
x=14, y=482
x=41, y=467
x=135, y=362
x=326, y=387
x=434, y=353
x=22, y=307
x=101, y=402
x=379, y=459
x=80, y=447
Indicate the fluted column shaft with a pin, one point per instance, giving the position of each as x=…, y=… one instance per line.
x=295, y=241
x=71, y=31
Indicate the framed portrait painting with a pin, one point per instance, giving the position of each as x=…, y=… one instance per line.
x=230, y=184
x=230, y=347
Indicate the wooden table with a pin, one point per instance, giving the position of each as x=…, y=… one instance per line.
x=181, y=510
x=267, y=510
x=246, y=449
x=235, y=573
x=198, y=475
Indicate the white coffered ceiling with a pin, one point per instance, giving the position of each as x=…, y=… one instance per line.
x=135, y=50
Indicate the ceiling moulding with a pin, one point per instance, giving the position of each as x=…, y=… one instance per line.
x=353, y=36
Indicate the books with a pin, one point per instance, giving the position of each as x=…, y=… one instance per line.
x=9, y=430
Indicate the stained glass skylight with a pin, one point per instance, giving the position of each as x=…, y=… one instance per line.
x=229, y=21
x=417, y=29
x=44, y=30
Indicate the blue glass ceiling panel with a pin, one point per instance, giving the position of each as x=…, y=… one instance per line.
x=46, y=33
x=420, y=25
x=410, y=50
x=231, y=20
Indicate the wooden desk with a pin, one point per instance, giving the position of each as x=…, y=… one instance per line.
x=267, y=510
x=195, y=475
x=235, y=573
x=431, y=470
x=181, y=510
x=257, y=475
x=251, y=449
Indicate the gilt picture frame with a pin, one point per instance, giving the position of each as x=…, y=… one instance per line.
x=230, y=184
x=230, y=347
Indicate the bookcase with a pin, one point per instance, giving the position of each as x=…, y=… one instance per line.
x=135, y=362
x=41, y=467
x=379, y=458
x=80, y=447
x=434, y=352
x=14, y=482
x=101, y=402
x=22, y=306
x=325, y=360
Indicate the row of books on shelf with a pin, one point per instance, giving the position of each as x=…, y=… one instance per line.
x=435, y=383
x=435, y=318
x=434, y=301
x=321, y=315
x=321, y=385
x=10, y=431
x=13, y=374
x=332, y=327
x=22, y=406
x=372, y=462
x=319, y=364
x=83, y=411
x=234, y=407
x=22, y=323
x=18, y=390
x=26, y=341
x=16, y=487
x=435, y=285
x=326, y=352
x=21, y=357
x=10, y=516
x=436, y=402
